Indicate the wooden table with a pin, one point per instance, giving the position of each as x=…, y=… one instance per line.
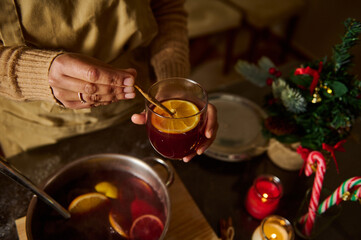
x=204, y=190
x=219, y=188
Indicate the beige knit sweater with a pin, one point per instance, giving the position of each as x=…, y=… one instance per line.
x=24, y=70
x=123, y=33
x=24, y=73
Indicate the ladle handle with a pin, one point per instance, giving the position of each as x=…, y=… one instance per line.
x=15, y=175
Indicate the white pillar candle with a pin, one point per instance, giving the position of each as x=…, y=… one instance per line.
x=274, y=228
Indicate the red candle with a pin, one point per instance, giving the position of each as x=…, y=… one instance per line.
x=263, y=196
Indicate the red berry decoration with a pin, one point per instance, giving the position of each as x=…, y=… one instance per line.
x=272, y=71
x=269, y=81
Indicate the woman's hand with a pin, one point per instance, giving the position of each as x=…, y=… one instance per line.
x=79, y=81
x=210, y=130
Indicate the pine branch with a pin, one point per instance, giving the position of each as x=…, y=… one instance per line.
x=341, y=56
x=256, y=74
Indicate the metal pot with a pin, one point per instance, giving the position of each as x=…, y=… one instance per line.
x=91, y=164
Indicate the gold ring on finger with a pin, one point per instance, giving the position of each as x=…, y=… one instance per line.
x=80, y=95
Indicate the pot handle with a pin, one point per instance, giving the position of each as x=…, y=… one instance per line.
x=170, y=177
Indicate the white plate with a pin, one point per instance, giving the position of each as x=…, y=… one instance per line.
x=239, y=136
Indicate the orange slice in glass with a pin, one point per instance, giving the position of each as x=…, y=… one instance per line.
x=184, y=119
x=86, y=202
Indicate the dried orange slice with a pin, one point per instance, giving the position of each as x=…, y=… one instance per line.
x=86, y=202
x=108, y=189
x=146, y=227
x=184, y=119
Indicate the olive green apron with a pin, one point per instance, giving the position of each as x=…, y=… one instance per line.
x=116, y=32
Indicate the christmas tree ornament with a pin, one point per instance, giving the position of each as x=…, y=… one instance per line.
x=293, y=100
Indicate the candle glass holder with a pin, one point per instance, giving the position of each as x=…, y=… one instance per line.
x=274, y=227
x=322, y=221
x=263, y=196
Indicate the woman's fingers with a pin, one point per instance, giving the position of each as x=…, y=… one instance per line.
x=91, y=70
x=139, y=119
x=78, y=85
x=212, y=122
x=67, y=96
x=97, y=82
x=210, y=133
x=189, y=157
x=211, y=129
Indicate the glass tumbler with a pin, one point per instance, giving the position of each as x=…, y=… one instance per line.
x=177, y=136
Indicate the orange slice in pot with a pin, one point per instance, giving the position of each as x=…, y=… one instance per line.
x=146, y=227
x=184, y=119
x=108, y=189
x=86, y=202
x=117, y=223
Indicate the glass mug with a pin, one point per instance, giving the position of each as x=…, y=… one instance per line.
x=274, y=227
x=176, y=136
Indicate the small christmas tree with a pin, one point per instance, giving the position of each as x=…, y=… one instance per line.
x=317, y=104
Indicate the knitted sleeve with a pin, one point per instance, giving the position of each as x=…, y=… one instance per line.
x=169, y=49
x=24, y=73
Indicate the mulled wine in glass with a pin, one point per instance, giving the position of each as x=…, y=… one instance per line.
x=178, y=135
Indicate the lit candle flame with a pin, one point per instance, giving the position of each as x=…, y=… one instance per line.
x=264, y=197
x=273, y=236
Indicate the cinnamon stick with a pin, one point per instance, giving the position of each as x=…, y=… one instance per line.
x=154, y=101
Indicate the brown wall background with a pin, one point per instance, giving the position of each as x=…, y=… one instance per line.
x=321, y=27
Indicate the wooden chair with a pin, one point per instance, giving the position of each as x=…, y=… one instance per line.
x=261, y=15
x=210, y=17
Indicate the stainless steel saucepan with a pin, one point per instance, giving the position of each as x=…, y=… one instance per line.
x=91, y=164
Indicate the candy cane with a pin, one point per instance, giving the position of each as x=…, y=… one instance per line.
x=356, y=195
x=337, y=196
x=303, y=219
x=314, y=157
